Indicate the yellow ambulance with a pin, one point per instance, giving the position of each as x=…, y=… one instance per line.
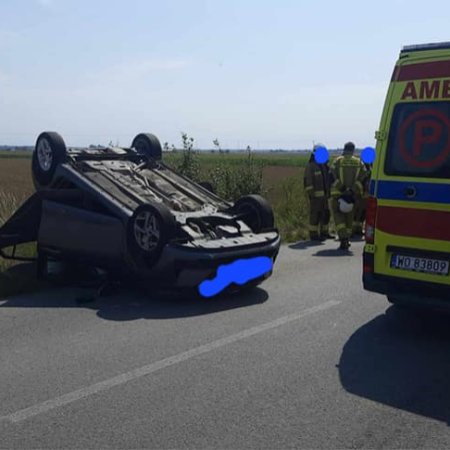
x=407, y=233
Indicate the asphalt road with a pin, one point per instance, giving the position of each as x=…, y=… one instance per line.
x=309, y=360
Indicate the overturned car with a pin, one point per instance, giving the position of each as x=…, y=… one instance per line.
x=125, y=211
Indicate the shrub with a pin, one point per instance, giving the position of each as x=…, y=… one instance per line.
x=292, y=210
x=232, y=182
x=189, y=165
x=8, y=204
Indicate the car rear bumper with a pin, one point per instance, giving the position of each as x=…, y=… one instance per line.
x=407, y=290
x=182, y=267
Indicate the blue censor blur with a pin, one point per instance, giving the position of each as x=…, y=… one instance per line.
x=239, y=272
x=321, y=155
x=368, y=155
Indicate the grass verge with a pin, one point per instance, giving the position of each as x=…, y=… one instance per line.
x=16, y=278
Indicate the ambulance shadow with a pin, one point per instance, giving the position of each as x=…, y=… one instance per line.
x=301, y=245
x=401, y=360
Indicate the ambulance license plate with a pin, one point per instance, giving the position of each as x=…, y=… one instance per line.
x=416, y=264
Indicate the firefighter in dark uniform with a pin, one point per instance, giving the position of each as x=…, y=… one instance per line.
x=348, y=174
x=317, y=187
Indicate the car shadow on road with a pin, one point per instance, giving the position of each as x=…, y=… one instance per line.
x=129, y=304
x=333, y=252
x=301, y=245
x=401, y=359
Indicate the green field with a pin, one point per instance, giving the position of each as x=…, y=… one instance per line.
x=209, y=158
x=235, y=159
x=13, y=155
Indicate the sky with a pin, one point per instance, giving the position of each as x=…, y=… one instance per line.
x=269, y=74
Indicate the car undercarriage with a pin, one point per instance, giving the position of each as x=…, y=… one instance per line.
x=124, y=210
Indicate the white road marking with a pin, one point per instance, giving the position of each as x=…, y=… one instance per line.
x=65, y=399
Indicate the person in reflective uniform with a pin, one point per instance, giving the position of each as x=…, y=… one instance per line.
x=347, y=177
x=317, y=187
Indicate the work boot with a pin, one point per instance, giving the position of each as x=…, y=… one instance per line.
x=314, y=237
x=358, y=233
x=345, y=244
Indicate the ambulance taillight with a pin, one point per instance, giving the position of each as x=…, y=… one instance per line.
x=371, y=215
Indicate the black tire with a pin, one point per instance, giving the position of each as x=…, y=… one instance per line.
x=207, y=185
x=255, y=211
x=49, y=151
x=399, y=302
x=392, y=299
x=146, y=245
x=147, y=144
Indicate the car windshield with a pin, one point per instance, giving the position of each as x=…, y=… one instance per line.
x=419, y=140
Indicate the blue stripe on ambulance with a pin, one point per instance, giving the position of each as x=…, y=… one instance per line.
x=425, y=192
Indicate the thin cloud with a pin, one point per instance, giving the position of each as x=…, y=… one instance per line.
x=3, y=77
x=8, y=37
x=44, y=3
x=136, y=70
x=139, y=68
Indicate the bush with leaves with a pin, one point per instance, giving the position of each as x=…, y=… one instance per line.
x=292, y=209
x=189, y=165
x=232, y=182
x=8, y=204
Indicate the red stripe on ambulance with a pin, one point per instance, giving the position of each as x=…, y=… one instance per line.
x=410, y=222
x=437, y=69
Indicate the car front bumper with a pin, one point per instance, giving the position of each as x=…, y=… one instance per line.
x=182, y=267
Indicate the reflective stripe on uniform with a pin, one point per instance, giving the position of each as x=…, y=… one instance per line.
x=309, y=188
x=341, y=174
x=340, y=226
x=359, y=186
x=319, y=194
x=336, y=184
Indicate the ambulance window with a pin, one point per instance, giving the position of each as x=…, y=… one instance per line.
x=419, y=140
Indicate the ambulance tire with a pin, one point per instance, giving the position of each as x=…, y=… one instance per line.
x=400, y=303
x=405, y=308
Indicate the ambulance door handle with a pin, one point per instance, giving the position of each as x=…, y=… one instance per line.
x=410, y=192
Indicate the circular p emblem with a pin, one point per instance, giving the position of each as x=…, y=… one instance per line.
x=424, y=138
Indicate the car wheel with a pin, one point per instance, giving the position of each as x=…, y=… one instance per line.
x=49, y=151
x=256, y=212
x=151, y=226
x=147, y=144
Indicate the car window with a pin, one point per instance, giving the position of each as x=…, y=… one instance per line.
x=419, y=140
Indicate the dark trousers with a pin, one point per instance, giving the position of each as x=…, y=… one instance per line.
x=319, y=216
